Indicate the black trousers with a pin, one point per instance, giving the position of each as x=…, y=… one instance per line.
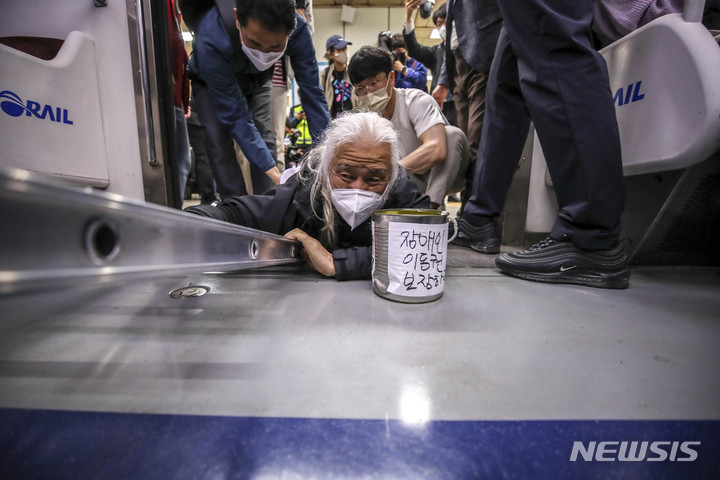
x=469, y=96
x=546, y=71
x=203, y=172
x=220, y=146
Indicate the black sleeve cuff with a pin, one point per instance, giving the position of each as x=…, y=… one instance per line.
x=353, y=263
x=210, y=211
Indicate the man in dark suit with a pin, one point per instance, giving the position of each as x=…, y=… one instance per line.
x=235, y=50
x=546, y=71
x=472, y=27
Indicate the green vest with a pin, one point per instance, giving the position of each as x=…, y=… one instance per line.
x=304, y=138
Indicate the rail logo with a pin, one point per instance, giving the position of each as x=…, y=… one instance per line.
x=12, y=104
x=635, y=451
x=629, y=94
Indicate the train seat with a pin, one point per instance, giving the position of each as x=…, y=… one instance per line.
x=51, y=119
x=665, y=79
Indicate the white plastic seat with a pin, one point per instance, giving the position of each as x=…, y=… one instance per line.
x=665, y=78
x=666, y=82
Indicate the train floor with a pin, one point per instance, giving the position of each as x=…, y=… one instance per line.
x=278, y=373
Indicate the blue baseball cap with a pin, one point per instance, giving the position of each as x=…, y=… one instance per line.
x=336, y=41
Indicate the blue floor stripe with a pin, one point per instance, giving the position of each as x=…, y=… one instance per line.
x=58, y=445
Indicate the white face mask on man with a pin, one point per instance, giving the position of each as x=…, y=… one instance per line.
x=262, y=60
x=442, y=32
x=355, y=205
x=375, y=101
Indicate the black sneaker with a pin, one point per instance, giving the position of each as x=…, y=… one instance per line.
x=483, y=239
x=555, y=261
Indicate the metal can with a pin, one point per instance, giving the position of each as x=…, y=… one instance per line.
x=409, y=254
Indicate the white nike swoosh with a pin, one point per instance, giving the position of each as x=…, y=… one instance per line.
x=565, y=269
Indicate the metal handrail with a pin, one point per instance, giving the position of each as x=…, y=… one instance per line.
x=59, y=235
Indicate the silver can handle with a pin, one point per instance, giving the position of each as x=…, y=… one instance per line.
x=455, y=229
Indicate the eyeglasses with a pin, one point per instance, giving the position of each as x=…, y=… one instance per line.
x=361, y=90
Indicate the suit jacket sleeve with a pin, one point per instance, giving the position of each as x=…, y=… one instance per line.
x=422, y=53
x=217, y=67
x=272, y=212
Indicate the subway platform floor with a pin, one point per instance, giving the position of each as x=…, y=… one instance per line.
x=278, y=373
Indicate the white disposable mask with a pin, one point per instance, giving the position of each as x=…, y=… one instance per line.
x=262, y=60
x=442, y=32
x=375, y=101
x=355, y=205
x=341, y=57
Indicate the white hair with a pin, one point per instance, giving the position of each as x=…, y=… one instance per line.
x=354, y=127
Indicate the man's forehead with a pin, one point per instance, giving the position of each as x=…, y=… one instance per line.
x=379, y=77
x=363, y=164
x=364, y=155
x=357, y=166
x=258, y=32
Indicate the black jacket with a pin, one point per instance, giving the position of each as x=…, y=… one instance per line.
x=433, y=57
x=478, y=25
x=287, y=206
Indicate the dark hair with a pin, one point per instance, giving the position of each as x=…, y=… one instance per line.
x=368, y=62
x=273, y=15
x=441, y=12
x=398, y=41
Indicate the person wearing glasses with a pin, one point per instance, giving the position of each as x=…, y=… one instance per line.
x=434, y=153
x=327, y=205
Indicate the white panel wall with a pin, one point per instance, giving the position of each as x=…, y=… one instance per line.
x=107, y=28
x=363, y=31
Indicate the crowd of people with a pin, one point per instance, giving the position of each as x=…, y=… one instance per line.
x=371, y=134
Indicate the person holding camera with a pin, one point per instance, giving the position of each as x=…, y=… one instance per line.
x=409, y=73
x=434, y=56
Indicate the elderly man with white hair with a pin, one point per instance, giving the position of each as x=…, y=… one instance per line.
x=327, y=205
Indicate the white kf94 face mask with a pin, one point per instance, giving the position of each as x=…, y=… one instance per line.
x=355, y=205
x=375, y=101
x=262, y=60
